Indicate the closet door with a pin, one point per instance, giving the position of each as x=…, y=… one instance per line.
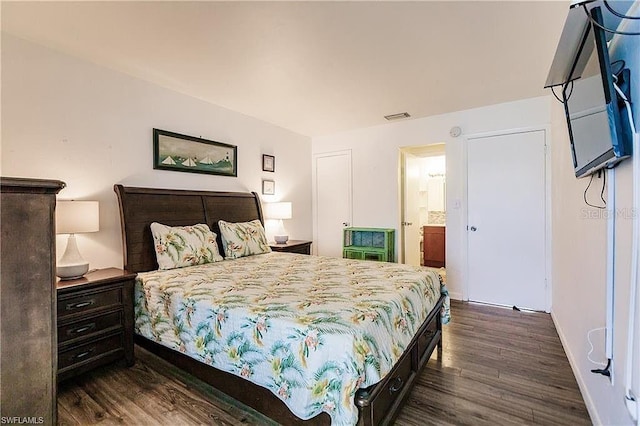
x=332, y=201
x=506, y=220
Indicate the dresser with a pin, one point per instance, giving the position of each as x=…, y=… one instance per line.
x=95, y=321
x=28, y=300
x=369, y=244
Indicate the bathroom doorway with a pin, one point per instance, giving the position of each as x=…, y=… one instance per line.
x=423, y=205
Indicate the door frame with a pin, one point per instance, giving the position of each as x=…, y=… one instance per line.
x=314, y=189
x=546, y=130
x=402, y=195
x=433, y=149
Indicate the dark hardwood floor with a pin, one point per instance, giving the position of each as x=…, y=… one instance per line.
x=498, y=367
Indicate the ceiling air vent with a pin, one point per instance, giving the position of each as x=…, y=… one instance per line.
x=397, y=116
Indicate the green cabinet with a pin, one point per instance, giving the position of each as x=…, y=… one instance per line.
x=369, y=244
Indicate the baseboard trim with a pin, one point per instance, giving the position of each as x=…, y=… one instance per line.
x=584, y=390
x=455, y=295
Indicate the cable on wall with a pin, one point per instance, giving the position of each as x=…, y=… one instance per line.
x=556, y=96
x=623, y=65
x=618, y=14
x=568, y=96
x=604, y=182
x=603, y=28
x=591, y=349
x=611, y=267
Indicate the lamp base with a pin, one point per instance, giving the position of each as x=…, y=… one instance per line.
x=71, y=265
x=71, y=272
x=281, y=239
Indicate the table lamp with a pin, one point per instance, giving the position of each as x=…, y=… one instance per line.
x=75, y=217
x=279, y=211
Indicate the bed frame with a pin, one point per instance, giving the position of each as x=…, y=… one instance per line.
x=139, y=207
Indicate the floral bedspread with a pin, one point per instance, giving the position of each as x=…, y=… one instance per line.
x=311, y=329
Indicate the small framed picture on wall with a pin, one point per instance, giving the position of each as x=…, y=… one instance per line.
x=268, y=163
x=268, y=187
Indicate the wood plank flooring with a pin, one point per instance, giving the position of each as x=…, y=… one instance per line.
x=499, y=367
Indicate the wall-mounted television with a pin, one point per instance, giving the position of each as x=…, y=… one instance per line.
x=600, y=135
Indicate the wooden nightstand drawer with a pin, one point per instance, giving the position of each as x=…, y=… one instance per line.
x=89, y=352
x=95, y=321
x=293, y=246
x=86, y=301
x=89, y=326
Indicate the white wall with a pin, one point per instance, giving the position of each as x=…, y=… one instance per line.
x=375, y=157
x=579, y=256
x=91, y=127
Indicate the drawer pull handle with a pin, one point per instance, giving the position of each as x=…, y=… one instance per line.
x=82, y=329
x=396, y=385
x=72, y=306
x=84, y=354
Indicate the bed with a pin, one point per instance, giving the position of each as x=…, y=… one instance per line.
x=249, y=332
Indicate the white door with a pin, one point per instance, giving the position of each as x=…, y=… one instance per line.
x=506, y=220
x=332, y=200
x=411, y=212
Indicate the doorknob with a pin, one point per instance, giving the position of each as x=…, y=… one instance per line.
x=407, y=223
x=473, y=229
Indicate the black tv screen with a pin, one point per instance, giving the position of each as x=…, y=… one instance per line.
x=598, y=137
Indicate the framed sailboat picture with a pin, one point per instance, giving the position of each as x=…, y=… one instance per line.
x=182, y=153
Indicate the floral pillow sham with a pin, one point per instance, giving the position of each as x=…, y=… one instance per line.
x=243, y=239
x=180, y=246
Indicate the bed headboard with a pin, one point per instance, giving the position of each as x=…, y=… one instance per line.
x=139, y=207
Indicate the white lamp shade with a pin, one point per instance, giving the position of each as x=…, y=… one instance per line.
x=280, y=210
x=75, y=217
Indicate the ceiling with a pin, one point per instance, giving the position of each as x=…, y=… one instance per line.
x=313, y=67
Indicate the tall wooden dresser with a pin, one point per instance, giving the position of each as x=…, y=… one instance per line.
x=28, y=344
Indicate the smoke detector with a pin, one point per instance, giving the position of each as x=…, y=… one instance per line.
x=455, y=131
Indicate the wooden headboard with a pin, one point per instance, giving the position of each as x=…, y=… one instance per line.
x=139, y=207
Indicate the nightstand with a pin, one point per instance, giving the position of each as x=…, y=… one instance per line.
x=293, y=246
x=95, y=321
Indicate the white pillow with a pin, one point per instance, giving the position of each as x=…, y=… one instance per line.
x=179, y=246
x=243, y=239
